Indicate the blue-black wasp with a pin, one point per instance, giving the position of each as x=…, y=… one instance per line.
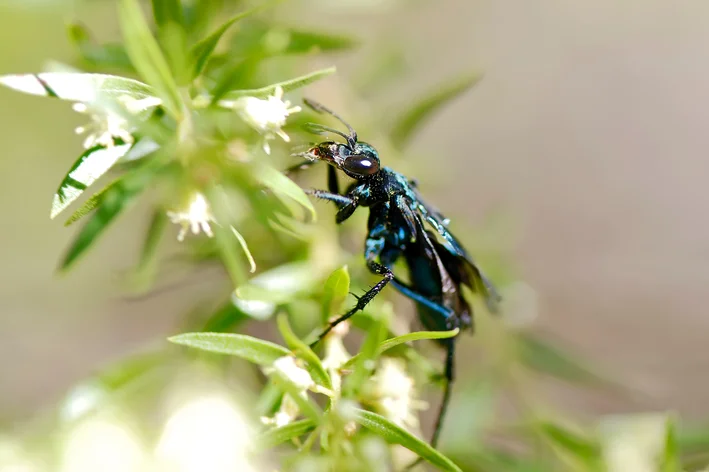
x=401, y=226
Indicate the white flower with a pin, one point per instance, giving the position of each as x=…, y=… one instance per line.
x=268, y=116
x=103, y=128
x=106, y=124
x=335, y=354
x=394, y=393
x=287, y=367
x=286, y=414
x=195, y=217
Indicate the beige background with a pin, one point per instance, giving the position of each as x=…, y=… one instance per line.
x=589, y=127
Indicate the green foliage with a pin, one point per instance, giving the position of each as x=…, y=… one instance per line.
x=397, y=435
x=252, y=349
x=146, y=56
x=423, y=108
x=206, y=168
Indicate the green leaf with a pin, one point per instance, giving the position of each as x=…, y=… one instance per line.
x=128, y=369
x=111, y=201
x=98, y=55
x=581, y=448
x=91, y=203
x=252, y=349
x=398, y=340
x=307, y=407
x=227, y=317
x=245, y=248
x=303, y=351
x=144, y=274
x=198, y=15
x=91, y=165
x=396, y=435
x=280, y=284
x=281, y=185
x=388, y=66
x=264, y=39
x=219, y=203
x=158, y=222
x=287, y=85
x=273, y=437
x=166, y=12
x=337, y=287
x=77, y=87
x=146, y=56
x=416, y=115
x=670, y=460
x=317, y=41
x=203, y=50
x=542, y=356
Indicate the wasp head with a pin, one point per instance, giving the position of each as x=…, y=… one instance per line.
x=359, y=161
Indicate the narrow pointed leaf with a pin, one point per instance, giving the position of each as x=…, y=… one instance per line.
x=417, y=336
x=581, y=449
x=337, y=287
x=147, y=264
x=219, y=203
x=98, y=55
x=91, y=165
x=146, y=56
x=166, y=12
x=252, y=349
x=317, y=41
x=670, y=461
x=412, y=119
x=245, y=248
x=287, y=85
x=274, y=437
x=396, y=435
x=279, y=284
x=77, y=87
x=203, y=50
x=303, y=351
x=542, y=356
x=90, y=204
x=110, y=203
x=281, y=186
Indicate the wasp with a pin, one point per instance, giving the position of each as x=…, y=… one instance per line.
x=401, y=226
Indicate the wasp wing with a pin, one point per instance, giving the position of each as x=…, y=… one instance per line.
x=452, y=248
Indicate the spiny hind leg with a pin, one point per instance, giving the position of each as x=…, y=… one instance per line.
x=374, y=248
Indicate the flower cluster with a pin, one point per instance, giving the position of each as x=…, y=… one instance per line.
x=268, y=116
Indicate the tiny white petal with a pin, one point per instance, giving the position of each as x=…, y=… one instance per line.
x=287, y=366
x=194, y=218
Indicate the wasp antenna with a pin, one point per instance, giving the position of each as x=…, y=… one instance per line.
x=320, y=129
x=352, y=138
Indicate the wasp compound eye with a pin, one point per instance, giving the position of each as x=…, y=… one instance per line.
x=361, y=165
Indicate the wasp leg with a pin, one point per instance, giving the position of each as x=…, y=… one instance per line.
x=339, y=200
x=450, y=377
x=364, y=300
x=332, y=183
x=421, y=299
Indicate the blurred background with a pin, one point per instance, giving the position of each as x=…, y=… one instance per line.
x=586, y=133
